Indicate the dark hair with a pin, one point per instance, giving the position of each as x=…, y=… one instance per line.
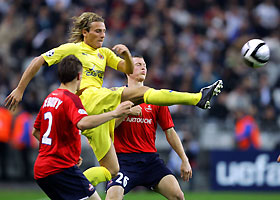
x=69, y=68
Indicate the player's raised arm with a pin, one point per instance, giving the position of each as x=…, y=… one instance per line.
x=16, y=95
x=126, y=65
x=93, y=121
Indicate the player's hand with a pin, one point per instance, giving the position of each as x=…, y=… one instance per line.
x=123, y=109
x=80, y=161
x=121, y=50
x=13, y=99
x=136, y=111
x=278, y=159
x=186, y=171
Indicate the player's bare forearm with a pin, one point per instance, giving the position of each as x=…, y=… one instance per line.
x=36, y=133
x=95, y=120
x=129, y=66
x=126, y=65
x=175, y=142
x=135, y=111
x=30, y=72
x=119, y=121
x=16, y=95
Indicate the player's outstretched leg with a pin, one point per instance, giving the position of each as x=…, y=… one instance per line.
x=208, y=92
x=160, y=97
x=165, y=97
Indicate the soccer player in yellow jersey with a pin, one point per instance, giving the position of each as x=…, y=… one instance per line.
x=85, y=43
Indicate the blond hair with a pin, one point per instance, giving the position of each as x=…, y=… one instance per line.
x=83, y=22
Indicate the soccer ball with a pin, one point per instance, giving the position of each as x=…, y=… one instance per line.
x=255, y=53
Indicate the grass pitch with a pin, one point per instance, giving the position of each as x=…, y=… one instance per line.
x=26, y=194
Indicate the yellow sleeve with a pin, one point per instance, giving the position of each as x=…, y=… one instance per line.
x=55, y=55
x=112, y=60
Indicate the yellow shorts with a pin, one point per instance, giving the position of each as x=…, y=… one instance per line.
x=97, y=101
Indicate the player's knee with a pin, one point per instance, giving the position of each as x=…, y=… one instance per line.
x=178, y=195
x=112, y=195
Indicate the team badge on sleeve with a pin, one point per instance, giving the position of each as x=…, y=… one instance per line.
x=82, y=111
x=100, y=56
x=50, y=53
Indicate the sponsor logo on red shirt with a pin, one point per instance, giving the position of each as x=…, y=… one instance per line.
x=148, y=108
x=139, y=120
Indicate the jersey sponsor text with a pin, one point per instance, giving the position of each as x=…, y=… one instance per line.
x=95, y=73
x=139, y=120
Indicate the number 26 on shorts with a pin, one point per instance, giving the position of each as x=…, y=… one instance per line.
x=122, y=179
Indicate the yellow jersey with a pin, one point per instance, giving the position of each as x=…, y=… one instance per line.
x=94, y=61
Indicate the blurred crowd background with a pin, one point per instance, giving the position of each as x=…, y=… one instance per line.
x=186, y=44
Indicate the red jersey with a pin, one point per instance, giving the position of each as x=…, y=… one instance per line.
x=137, y=134
x=60, y=140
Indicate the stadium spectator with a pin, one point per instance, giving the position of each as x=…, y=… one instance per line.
x=57, y=129
x=247, y=132
x=140, y=165
x=87, y=36
x=22, y=139
x=5, y=135
x=267, y=17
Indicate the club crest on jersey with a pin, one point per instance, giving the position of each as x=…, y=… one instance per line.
x=50, y=53
x=148, y=108
x=90, y=188
x=100, y=56
x=82, y=111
